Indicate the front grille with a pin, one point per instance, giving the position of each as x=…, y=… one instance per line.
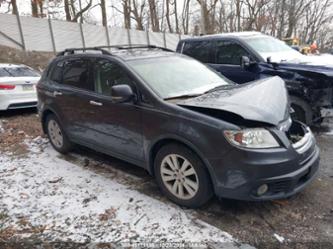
x=23, y=105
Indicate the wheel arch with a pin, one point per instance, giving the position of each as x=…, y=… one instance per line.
x=44, y=116
x=159, y=143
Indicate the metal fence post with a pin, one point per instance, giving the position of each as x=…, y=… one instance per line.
x=129, y=37
x=164, y=39
x=107, y=36
x=82, y=35
x=147, y=35
x=20, y=30
x=52, y=35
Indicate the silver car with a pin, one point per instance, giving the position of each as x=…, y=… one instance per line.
x=17, y=86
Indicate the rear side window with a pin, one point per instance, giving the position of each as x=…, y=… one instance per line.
x=200, y=50
x=77, y=73
x=56, y=73
x=229, y=52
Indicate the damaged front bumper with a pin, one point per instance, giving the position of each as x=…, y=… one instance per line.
x=268, y=174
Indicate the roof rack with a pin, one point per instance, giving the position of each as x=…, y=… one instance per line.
x=69, y=51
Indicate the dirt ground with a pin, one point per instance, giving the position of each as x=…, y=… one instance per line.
x=303, y=221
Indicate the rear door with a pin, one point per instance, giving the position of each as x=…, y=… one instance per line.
x=227, y=60
x=72, y=85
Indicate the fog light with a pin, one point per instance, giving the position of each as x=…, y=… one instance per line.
x=262, y=189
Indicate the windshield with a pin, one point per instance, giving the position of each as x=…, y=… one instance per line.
x=18, y=72
x=268, y=46
x=172, y=77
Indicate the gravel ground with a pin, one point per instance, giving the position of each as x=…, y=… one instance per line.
x=303, y=221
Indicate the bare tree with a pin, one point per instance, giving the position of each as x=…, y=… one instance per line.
x=153, y=13
x=207, y=15
x=103, y=12
x=186, y=16
x=74, y=11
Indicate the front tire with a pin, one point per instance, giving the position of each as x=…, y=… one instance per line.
x=182, y=176
x=56, y=134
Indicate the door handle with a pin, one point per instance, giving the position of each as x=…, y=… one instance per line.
x=95, y=103
x=56, y=93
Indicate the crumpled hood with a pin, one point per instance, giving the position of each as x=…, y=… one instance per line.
x=323, y=61
x=264, y=100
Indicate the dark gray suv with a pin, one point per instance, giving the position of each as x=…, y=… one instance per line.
x=196, y=132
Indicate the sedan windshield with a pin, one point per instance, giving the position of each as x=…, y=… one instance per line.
x=175, y=76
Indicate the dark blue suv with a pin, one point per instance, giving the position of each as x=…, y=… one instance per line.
x=248, y=56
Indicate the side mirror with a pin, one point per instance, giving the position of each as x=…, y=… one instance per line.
x=121, y=94
x=245, y=62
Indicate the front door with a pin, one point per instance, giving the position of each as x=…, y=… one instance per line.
x=117, y=127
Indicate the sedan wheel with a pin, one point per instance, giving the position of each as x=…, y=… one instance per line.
x=179, y=176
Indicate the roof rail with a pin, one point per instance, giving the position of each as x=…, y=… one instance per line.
x=69, y=51
x=136, y=46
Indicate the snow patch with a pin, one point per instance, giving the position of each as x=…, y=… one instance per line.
x=279, y=238
x=73, y=203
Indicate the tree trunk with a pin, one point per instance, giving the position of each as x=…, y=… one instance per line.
x=167, y=16
x=67, y=11
x=14, y=5
x=103, y=12
x=127, y=13
x=34, y=8
x=176, y=17
x=153, y=16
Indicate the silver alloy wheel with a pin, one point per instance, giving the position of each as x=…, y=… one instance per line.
x=55, y=133
x=179, y=176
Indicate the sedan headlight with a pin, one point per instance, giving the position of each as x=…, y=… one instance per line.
x=251, y=138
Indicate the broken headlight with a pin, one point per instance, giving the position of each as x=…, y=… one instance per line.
x=257, y=138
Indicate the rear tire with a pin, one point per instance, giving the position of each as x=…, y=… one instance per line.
x=303, y=111
x=56, y=134
x=182, y=176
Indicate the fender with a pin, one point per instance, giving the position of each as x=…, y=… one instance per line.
x=150, y=149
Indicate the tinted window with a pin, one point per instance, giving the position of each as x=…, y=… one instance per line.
x=228, y=52
x=108, y=74
x=76, y=73
x=56, y=73
x=199, y=50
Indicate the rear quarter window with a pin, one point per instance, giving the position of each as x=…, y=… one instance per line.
x=200, y=50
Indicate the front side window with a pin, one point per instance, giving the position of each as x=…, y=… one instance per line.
x=228, y=52
x=76, y=73
x=175, y=76
x=199, y=50
x=108, y=74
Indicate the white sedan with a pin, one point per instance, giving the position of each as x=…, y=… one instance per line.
x=17, y=86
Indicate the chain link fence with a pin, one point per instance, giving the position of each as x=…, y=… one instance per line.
x=36, y=34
